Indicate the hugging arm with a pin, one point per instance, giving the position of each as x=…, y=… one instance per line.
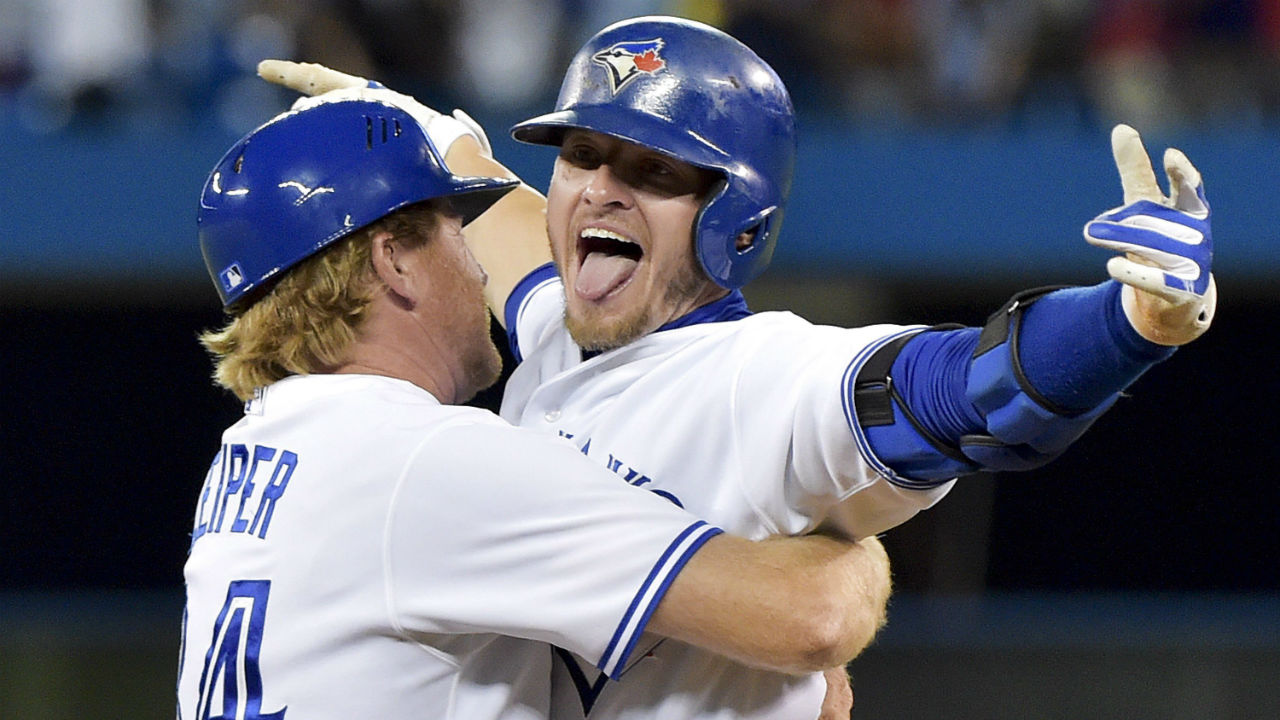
x=791, y=604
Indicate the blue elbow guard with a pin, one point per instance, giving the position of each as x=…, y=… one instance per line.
x=1025, y=429
x=902, y=449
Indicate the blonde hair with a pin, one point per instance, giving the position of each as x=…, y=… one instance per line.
x=307, y=322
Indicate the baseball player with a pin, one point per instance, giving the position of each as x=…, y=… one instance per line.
x=676, y=147
x=361, y=547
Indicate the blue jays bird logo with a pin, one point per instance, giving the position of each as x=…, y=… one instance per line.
x=626, y=61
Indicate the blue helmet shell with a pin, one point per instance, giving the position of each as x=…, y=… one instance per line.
x=308, y=177
x=691, y=91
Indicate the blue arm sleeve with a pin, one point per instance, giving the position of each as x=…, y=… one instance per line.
x=1077, y=350
x=931, y=373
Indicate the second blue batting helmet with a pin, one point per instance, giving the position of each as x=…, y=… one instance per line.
x=310, y=176
x=693, y=92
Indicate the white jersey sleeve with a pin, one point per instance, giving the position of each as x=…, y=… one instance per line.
x=795, y=383
x=563, y=553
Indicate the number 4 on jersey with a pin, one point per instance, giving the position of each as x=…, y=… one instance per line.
x=231, y=664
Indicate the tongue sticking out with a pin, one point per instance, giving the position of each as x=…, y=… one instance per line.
x=601, y=273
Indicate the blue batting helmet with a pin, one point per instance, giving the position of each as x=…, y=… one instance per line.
x=311, y=176
x=693, y=92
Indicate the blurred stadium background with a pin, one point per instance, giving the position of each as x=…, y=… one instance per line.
x=951, y=150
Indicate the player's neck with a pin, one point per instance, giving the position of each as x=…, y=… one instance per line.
x=395, y=344
x=418, y=376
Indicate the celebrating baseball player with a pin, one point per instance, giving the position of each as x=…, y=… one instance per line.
x=361, y=547
x=676, y=149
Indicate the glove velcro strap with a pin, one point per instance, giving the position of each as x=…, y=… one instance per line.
x=916, y=458
x=1025, y=429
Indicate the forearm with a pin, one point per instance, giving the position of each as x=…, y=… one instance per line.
x=510, y=239
x=1075, y=349
x=1011, y=396
x=788, y=604
x=1078, y=349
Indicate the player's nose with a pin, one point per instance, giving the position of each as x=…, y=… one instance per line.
x=605, y=186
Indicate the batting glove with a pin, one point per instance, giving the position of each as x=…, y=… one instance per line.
x=1169, y=295
x=323, y=84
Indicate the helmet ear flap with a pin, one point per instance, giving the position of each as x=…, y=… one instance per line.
x=719, y=233
x=753, y=257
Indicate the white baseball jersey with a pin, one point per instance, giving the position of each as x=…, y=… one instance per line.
x=362, y=551
x=746, y=423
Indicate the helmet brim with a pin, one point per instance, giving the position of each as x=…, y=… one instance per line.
x=472, y=196
x=637, y=127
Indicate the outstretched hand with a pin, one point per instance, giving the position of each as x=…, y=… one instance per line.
x=323, y=84
x=1169, y=295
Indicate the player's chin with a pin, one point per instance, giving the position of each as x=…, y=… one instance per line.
x=482, y=371
x=597, y=328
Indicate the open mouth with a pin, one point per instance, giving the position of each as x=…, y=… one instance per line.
x=608, y=262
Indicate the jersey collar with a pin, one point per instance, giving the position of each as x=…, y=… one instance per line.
x=730, y=307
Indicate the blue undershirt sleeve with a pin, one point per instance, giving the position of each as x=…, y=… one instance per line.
x=1076, y=348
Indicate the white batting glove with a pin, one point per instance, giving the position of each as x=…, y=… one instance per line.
x=323, y=84
x=1169, y=295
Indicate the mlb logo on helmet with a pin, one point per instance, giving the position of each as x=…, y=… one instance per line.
x=232, y=277
x=626, y=61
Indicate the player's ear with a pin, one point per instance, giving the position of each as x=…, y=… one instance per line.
x=390, y=263
x=746, y=240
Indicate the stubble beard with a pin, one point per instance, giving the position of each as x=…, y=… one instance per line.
x=595, y=331
x=481, y=360
x=484, y=368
